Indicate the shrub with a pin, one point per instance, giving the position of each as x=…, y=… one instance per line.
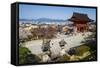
x=23, y=52
x=71, y=51
x=81, y=49
x=25, y=56
x=64, y=58
x=31, y=58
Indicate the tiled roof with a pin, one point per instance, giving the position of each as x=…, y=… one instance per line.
x=80, y=17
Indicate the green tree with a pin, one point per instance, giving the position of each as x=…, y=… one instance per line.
x=23, y=52
x=25, y=56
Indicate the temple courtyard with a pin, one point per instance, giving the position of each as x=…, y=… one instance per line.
x=72, y=41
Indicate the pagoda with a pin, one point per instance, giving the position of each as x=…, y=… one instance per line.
x=80, y=21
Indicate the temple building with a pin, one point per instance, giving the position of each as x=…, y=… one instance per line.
x=80, y=21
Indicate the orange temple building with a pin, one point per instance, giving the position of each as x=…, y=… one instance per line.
x=80, y=21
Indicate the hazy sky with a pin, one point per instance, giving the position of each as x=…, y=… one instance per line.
x=52, y=12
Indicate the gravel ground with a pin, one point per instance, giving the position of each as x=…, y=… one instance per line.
x=72, y=41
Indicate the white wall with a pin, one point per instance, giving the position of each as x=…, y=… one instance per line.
x=5, y=33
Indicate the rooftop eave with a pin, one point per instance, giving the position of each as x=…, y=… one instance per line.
x=90, y=20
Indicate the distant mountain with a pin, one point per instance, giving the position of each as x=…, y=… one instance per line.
x=26, y=19
x=44, y=20
x=51, y=20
